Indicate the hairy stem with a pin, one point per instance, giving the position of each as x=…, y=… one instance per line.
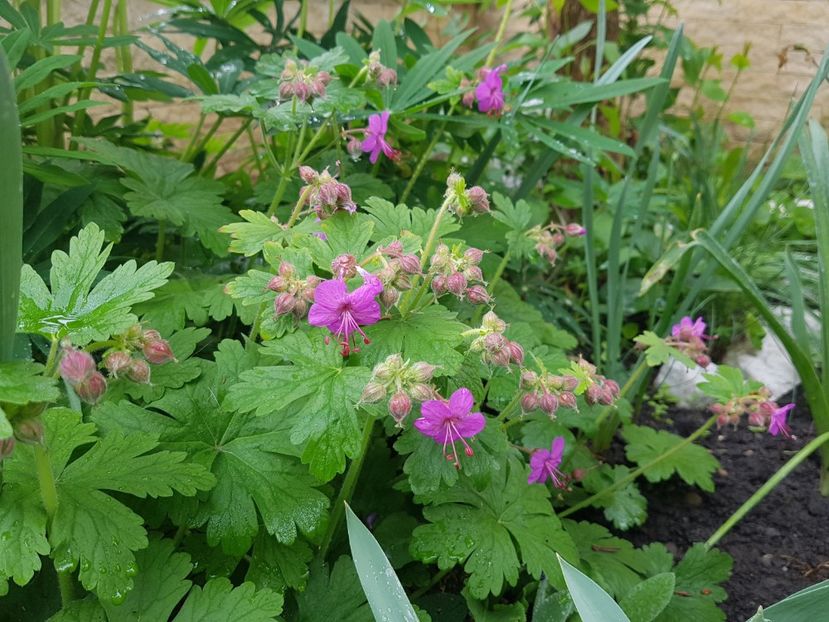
x=636, y=473
x=766, y=488
x=347, y=489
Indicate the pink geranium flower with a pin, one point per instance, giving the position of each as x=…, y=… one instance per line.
x=447, y=422
x=688, y=328
x=375, y=140
x=777, y=423
x=343, y=312
x=490, y=90
x=544, y=464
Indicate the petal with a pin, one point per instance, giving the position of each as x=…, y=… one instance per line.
x=461, y=402
x=321, y=315
x=471, y=425
x=331, y=293
x=375, y=153
x=391, y=154
x=384, y=121
x=557, y=449
x=435, y=410
x=537, y=476
x=429, y=428
x=369, y=143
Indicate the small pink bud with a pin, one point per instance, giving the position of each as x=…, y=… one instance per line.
x=422, y=371
x=400, y=405
x=473, y=255
x=308, y=175
x=354, y=147
x=139, y=371
x=344, y=266
x=29, y=431
x=410, y=264
x=613, y=387
x=593, y=395
x=373, y=392
x=478, y=295
x=574, y=229
x=393, y=250
x=473, y=273
x=6, y=447
x=456, y=283
x=516, y=353
x=478, y=199
x=548, y=403
x=703, y=360
x=278, y=284
x=423, y=392
x=567, y=399
x=757, y=419
x=76, y=366
x=92, y=389
x=150, y=334
x=158, y=352
x=117, y=362
x=528, y=378
x=439, y=284
x=300, y=308
x=529, y=402
x=386, y=77
x=569, y=382
x=286, y=270
x=605, y=396
x=492, y=322
x=389, y=296
x=284, y=303
x=579, y=474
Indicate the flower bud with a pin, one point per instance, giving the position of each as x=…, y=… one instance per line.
x=278, y=284
x=300, y=308
x=473, y=273
x=29, y=431
x=568, y=400
x=574, y=229
x=593, y=394
x=478, y=295
x=308, y=175
x=423, y=392
x=605, y=396
x=409, y=264
x=493, y=323
x=612, y=387
x=528, y=378
x=6, y=447
x=516, y=352
x=92, y=389
x=389, y=296
x=473, y=255
x=385, y=371
x=354, y=147
x=569, y=383
x=284, y=303
x=400, y=405
x=344, y=266
x=158, y=352
x=76, y=366
x=393, y=250
x=150, y=334
x=422, y=371
x=757, y=419
x=286, y=270
x=456, y=283
x=386, y=77
x=579, y=474
x=548, y=403
x=478, y=199
x=703, y=360
x=529, y=402
x=134, y=333
x=373, y=392
x=139, y=371
x=439, y=284
x=117, y=362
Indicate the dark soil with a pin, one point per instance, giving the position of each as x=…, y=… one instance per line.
x=778, y=548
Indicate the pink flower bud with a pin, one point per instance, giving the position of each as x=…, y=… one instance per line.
x=278, y=284
x=300, y=308
x=410, y=264
x=139, y=371
x=284, y=303
x=757, y=419
x=393, y=250
x=579, y=474
x=703, y=360
x=117, y=362
x=6, y=447
x=344, y=266
x=439, y=284
x=468, y=98
x=29, y=431
x=548, y=403
x=423, y=392
x=400, y=405
x=529, y=402
x=158, y=352
x=569, y=383
x=574, y=229
x=473, y=255
x=76, y=366
x=286, y=270
x=493, y=323
x=605, y=396
x=389, y=296
x=593, y=395
x=386, y=77
x=567, y=399
x=528, y=378
x=473, y=273
x=516, y=352
x=373, y=392
x=495, y=342
x=478, y=199
x=612, y=387
x=478, y=295
x=92, y=389
x=422, y=371
x=308, y=175
x=150, y=335
x=456, y=283
x=354, y=147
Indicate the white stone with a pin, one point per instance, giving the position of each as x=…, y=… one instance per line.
x=682, y=382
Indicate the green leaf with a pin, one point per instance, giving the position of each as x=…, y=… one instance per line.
x=390, y=221
x=657, y=352
x=727, y=383
x=482, y=612
x=429, y=335
x=592, y=602
x=22, y=382
x=316, y=395
x=277, y=565
x=219, y=600
x=697, y=591
x=493, y=532
x=346, y=234
x=412, y=87
x=76, y=309
x=807, y=604
x=647, y=600
x=196, y=298
x=625, y=507
x=385, y=594
x=337, y=592
x=693, y=463
x=515, y=216
x=249, y=237
x=22, y=531
x=612, y=562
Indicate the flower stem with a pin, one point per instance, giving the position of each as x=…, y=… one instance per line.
x=49, y=496
x=766, y=488
x=636, y=473
x=605, y=432
x=424, y=158
x=347, y=489
x=499, y=271
x=160, y=240
x=499, y=36
x=51, y=359
x=509, y=407
x=230, y=141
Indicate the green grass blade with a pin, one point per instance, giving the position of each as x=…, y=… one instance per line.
x=385, y=594
x=11, y=211
x=797, y=302
x=811, y=603
x=592, y=602
x=815, y=152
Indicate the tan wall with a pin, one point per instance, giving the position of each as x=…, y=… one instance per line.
x=773, y=28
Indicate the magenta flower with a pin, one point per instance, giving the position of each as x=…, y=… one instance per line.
x=490, y=90
x=375, y=140
x=688, y=328
x=544, y=464
x=343, y=313
x=447, y=422
x=777, y=424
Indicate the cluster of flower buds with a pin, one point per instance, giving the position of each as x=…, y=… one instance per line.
x=689, y=338
x=324, y=194
x=78, y=369
x=294, y=294
x=762, y=412
x=547, y=391
x=398, y=268
x=600, y=390
x=303, y=81
x=139, y=349
x=377, y=72
x=457, y=272
x=494, y=347
x=463, y=201
x=549, y=239
x=403, y=383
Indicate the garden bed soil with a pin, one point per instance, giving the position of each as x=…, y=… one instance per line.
x=778, y=548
